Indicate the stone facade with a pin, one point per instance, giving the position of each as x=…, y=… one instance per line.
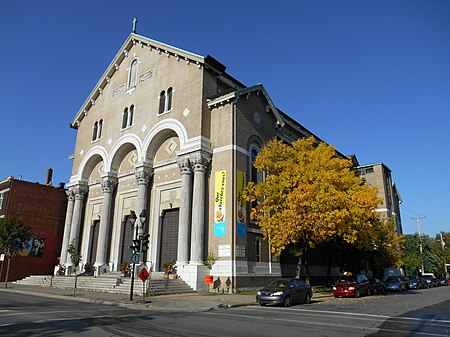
x=170, y=132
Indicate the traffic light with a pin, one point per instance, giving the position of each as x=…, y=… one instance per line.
x=136, y=246
x=145, y=243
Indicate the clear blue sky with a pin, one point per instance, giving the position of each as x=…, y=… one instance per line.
x=371, y=78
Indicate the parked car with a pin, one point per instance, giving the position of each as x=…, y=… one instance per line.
x=285, y=292
x=442, y=281
x=376, y=286
x=415, y=282
x=395, y=283
x=352, y=286
x=431, y=280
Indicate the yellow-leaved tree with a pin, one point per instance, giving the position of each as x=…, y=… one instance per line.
x=309, y=197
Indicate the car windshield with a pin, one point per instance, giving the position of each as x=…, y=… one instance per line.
x=428, y=277
x=392, y=280
x=278, y=284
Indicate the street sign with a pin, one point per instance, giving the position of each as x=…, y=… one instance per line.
x=2, y=257
x=135, y=258
x=143, y=275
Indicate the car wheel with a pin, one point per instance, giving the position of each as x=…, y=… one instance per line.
x=287, y=302
x=368, y=292
x=357, y=294
x=307, y=298
x=262, y=304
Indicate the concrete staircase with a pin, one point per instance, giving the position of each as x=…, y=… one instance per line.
x=157, y=284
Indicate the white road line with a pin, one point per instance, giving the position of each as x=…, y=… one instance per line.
x=334, y=325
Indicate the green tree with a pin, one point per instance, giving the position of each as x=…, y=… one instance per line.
x=415, y=259
x=310, y=197
x=14, y=236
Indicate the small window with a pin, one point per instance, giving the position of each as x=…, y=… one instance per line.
x=94, y=131
x=165, y=101
x=162, y=102
x=369, y=170
x=130, y=116
x=99, y=131
x=169, y=99
x=132, y=76
x=124, y=118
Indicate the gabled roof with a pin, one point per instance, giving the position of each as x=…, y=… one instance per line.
x=134, y=39
x=233, y=93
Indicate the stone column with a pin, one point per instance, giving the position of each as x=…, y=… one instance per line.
x=143, y=176
x=67, y=225
x=109, y=183
x=80, y=192
x=184, y=226
x=200, y=163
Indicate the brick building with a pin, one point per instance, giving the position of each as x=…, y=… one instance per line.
x=43, y=208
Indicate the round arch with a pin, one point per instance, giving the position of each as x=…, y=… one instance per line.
x=160, y=132
x=92, y=158
x=124, y=144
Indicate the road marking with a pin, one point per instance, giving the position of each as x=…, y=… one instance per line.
x=344, y=313
x=324, y=324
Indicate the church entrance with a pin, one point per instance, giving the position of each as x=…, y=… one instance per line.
x=169, y=237
x=94, y=241
x=128, y=232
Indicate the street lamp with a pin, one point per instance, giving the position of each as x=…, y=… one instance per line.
x=142, y=219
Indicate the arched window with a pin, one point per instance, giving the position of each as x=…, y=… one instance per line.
x=169, y=99
x=99, y=131
x=94, y=131
x=132, y=76
x=162, y=102
x=124, y=118
x=130, y=116
x=254, y=171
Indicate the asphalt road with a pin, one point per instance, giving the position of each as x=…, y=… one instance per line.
x=413, y=313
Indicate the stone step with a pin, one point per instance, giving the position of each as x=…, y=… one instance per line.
x=157, y=284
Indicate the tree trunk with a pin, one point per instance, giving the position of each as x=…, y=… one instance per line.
x=298, y=270
x=7, y=271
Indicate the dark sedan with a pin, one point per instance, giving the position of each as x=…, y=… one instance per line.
x=376, y=286
x=395, y=284
x=415, y=282
x=285, y=292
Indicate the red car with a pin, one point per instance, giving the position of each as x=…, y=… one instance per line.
x=351, y=286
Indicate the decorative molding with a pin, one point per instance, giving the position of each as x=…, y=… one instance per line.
x=109, y=183
x=145, y=76
x=118, y=90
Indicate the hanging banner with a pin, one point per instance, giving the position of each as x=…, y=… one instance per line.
x=219, y=203
x=241, y=223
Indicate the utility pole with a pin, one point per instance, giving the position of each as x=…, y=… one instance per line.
x=418, y=217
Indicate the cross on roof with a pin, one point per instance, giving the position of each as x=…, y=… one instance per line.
x=134, y=25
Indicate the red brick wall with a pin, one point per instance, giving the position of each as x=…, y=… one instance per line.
x=43, y=208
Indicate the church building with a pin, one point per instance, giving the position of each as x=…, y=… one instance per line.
x=170, y=133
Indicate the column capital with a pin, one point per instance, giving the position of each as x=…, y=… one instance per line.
x=143, y=174
x=200, y=162
x=80, y=191
x=109, y=183
x=70, y=194
x=185, y=165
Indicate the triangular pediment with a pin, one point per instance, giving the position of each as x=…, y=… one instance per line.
x=122, y=54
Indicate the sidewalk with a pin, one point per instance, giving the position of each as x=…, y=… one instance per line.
x=173, y=303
